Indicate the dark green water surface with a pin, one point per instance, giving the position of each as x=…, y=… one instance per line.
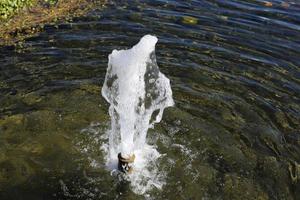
x=234, y=133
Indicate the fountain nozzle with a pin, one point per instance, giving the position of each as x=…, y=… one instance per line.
x=125, y=164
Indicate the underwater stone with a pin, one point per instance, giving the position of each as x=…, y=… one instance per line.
x=189, y=20
x=237, y=187
x=274, y=176
x=94, y=89
x=33, y=147
x=13, y=119
x=31, y=99
x=11, y=128
x=41, y=120
x=14, y=171
x=294, y=170
x=281, y=119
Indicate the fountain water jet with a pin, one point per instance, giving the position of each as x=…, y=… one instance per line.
x=137, y=93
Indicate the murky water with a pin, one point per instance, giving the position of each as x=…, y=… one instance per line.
x=234, y=133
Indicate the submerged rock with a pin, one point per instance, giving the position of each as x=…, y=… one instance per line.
x=39, y=143
x=294, y=170
x=236, y=187
x=14, y=171
x=189, y=20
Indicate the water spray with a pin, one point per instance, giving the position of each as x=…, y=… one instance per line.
x=137, y=93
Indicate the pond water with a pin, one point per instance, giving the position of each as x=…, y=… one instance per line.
x=234, y=132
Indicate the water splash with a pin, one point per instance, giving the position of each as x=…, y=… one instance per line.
x=137, y=93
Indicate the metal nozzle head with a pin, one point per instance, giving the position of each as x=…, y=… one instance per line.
x=125, y=164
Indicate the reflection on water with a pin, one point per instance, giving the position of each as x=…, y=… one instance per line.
x=234, y=71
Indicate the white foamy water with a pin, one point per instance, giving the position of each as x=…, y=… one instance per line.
x=137, y=93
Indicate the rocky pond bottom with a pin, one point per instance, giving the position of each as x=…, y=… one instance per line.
x=54, y=150
x=234, y=130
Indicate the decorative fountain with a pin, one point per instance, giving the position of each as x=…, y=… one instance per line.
x=137, y=93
